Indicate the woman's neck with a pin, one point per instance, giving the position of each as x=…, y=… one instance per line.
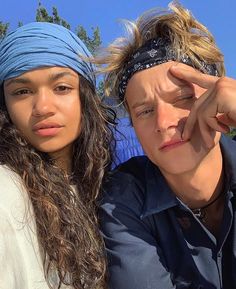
x=63, y=159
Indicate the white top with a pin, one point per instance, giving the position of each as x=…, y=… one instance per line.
x=20, y=260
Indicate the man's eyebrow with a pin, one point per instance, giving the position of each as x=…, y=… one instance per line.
x=138, y=103
x=181, y=87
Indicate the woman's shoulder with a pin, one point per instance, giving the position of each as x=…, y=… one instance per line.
x=10, y=181
x=13, y=194
x=7, y=175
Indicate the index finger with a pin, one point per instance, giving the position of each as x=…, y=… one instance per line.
x=188, y=73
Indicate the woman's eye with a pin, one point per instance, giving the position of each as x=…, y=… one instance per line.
x=63, y=88
x=21, y=91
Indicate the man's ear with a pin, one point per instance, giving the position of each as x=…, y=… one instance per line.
x=128, y=111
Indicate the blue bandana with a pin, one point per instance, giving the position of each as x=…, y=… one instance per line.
x=42, y=44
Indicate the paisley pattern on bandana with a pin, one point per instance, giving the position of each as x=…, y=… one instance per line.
x=155, y=52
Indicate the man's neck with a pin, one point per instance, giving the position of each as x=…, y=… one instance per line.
x=201, y=185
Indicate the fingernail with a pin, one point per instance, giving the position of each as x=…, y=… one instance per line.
x=174, y=66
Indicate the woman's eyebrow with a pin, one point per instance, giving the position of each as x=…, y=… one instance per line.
x=21, y=80
x=56, y=76
x=25, y=80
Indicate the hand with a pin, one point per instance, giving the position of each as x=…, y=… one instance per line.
x=215, y=109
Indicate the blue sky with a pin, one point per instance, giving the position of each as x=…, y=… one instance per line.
x=219, y=16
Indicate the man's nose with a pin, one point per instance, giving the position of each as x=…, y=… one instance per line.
x=166, y=117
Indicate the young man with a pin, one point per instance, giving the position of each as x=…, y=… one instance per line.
x=168, y=219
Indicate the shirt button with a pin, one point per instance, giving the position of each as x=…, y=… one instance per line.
x=219, y=255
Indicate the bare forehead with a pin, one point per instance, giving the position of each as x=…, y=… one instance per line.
x=157, y=79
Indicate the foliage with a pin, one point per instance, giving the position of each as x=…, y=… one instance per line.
x=100, y=88
x=232, y=132
x=3, y=29
x=92, y=43
x=43, y=16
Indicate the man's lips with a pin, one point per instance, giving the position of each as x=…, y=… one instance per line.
x=47, y=129
x=171, y=144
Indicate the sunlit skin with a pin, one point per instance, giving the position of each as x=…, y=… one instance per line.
x=178, y=114
x=215, y=110
x=44, y=104
x=159, y=105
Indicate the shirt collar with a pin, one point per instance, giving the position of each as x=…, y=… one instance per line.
x=159, y=196
x=228, y=149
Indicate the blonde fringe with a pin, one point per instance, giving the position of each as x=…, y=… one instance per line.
x=187, y=35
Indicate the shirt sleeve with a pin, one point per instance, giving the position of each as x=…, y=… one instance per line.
x=134, y=258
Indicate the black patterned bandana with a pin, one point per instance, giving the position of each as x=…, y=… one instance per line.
x=154, y=52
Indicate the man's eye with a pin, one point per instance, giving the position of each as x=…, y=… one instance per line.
x=184, y=98
x=145, y=112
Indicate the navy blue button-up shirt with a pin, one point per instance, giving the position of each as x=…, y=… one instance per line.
x=154, y=241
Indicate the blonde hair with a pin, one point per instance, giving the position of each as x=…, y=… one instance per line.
x=187, y=36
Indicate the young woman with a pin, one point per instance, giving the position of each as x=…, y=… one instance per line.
x=168, y=219
x=54, y=150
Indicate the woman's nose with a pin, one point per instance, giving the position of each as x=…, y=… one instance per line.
x=43, y=103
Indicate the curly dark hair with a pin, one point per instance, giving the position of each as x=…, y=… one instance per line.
x=65, y=214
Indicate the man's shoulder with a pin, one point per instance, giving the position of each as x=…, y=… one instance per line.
x=127, y=182
x=228, y=149
x=134, y=168
x=135, y=165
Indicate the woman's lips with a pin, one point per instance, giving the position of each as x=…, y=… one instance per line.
x=46, y=129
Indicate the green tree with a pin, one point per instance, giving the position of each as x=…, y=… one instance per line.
x=100, y=89
x=3, y=29
x=232, y=132
x=94, y=42
x=42, y=15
